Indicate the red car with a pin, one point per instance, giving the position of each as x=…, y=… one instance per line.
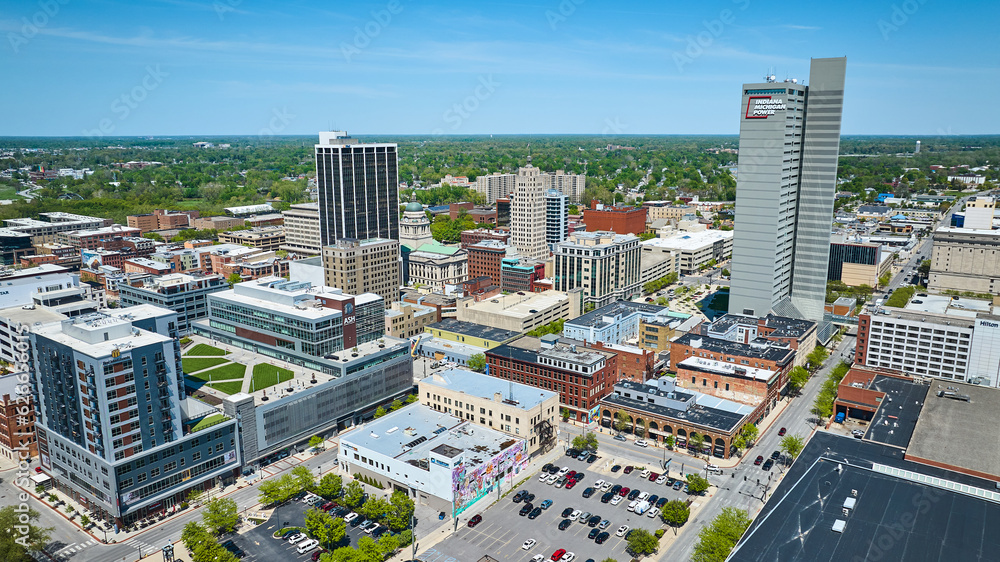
x=781, y=432
x=758, y=460
x=653, y=476
x=558, y=554
x=570, y=484
x=327, y=506
x=628, y=469
x=318, y=553
x=475, y=520
x=570, y=475
x=624, y=492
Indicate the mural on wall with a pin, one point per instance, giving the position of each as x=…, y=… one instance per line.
x=469, y=485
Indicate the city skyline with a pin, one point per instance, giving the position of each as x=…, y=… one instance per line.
x=237, y=67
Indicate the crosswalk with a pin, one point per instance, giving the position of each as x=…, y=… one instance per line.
x=138, y=544
x=72, y=548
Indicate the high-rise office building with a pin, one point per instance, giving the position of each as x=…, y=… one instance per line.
x=604, y=264
x=527, y=214
x=366, y=266
x=556, y=221
x=358, y=189
x=789, y=143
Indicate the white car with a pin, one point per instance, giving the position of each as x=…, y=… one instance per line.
x=711, y=466
x=621, y=531
x=616, y=500
x=653, y=512
x=607, y=487
x=537, y=558
x=598, y=484
x=307, y=546
x=661, y=479
x=574, y=515
x=643, y=496
x=552, y=479
x=350, y=517
x=528, y=544
x=543, y=476
x=644, y=473
x=371, y=528
x=642, y=442
x=568, y=557
x=563, y=471
x=297, y=538
x=632, y=504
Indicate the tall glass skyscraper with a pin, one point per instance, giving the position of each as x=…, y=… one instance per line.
x=786, y=183
x=358, y=189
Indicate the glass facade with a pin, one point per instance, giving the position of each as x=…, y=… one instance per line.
x=358, y=192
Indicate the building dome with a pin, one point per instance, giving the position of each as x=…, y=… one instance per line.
x=413, y=206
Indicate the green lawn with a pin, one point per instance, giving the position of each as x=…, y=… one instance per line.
x=192, y=364
x=264, y=375
x=208, y=421
x=229, y=387
x=9, y=192
x=205, y=349
x=225, y=372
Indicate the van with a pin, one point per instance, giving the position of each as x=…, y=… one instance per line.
x=307, y=546
x=641, y=508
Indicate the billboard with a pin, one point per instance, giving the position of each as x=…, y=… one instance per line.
x=469, y=485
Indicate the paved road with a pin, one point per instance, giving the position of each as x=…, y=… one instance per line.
x=71, y=544
x=747, y=494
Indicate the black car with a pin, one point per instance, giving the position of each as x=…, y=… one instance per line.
x=607, y=497
x=592, y=458
x=661, y=502
x=525, y=509
x=616, y=468
x=616, y=488
x=553, y=469
x=519, y=496
x=652, y=499
x=767, y=464
x=602, y=537
x=634, y=494
x=572, y=452
x=593, y=521
x=546, y=467
x=233, y=549
x=529, y=498
x=775, y=455
x=564, y=524
x=566, y=512
x=593, y=533
x=535, y=513
x=588, y=492
x=357, y=521
x=578, y=476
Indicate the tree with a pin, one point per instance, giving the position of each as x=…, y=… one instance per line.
x=746, y=436
x=586, y=442
x=797, y=379
x=669, y=441
x=696, y=483
x=85, y=521
x=565, y=413
x=396, y=404
x=696, y=442
x=19, y=534
x=640, y=428
x=477, y=362
x=369, y=550
x=609, y=559
x=325, y=528
x=375, y=509
x=304, y=478
x=792, y=445
x=220, y=515
x=194, y=533
x=330, y=486
x=725, y=273
x=354, y=494
x=315, y=441
x=194, y=495
x=277, y=491
x=379, y=412
x=717, y=540
x=234, y=278
x=641, y=542
x=398, y=518
x=924, y=269
x=883, y=280
x=622, y=421
x=675, y=513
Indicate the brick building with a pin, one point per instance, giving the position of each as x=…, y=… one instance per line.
x=739, y=383
x=581, y=375
x=634, y=363
x=470, y=237
x=97, y=238
x=17, y=419
x=620, y=219
x=162, y=219
x=486, y=259
x=758, y=353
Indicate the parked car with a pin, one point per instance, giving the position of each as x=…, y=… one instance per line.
x=634, y=494
x=583, y=456
x=476, y=519
x=653, y=512
x=574, y=515
x=621, y=531
x=528, y=544
x=620, y=437
x=616, y=468
x=602, y=537
x=645, y=473
x=594, y=520
x=661, y=502
x=296, y=538
x=678, y=484
x=306, y=546
x=535, y=513
x=616, y=500
x=564, y=524
x=588, y=492
x=578, y=476
x=642, y=443
x=572, y=452
x=568, y=557
x=593, y=533
x=661, y=479
x=557, y=555
x=570, y=483
x=604, y=524
x=525, y=509
x=616, y=488
x=776, y=455
x=624, y=491
x=591, y=458
x=758, y=460
x=781, y=432
x=546, y=504
x=566, y=512
x=519, y=496
x=584, y=517
x=607, y=497
x=628, y=469
x=653, y=476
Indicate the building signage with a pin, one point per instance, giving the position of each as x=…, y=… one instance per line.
x=761, y=107
x=440, y=463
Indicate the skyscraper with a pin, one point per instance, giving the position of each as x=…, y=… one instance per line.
x=789, y=144
x=527, y=214
x=358, y=189
x=556, y=221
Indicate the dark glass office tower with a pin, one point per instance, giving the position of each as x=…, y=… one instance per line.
x=358, y=189
x=786, y=183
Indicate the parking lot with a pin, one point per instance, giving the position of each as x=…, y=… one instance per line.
x=502, y=531
x=260, y=546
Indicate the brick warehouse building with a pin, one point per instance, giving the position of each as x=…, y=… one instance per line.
x=486, y=259
x=620, y=219
x=581, y=375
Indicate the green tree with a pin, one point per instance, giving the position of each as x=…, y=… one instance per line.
x=398, y=517
x=304, y=478
x=669, y=441
x=564, y=413
x=370, y=550
x=389, y=543
x=234, y=278
x=278, y=491
x=792, y=445
x=725, y=273
x=315, y=441
x=924, y=269
x=396, y=404
x=379, y=412
x=696, y=442
x=797, y=379
x=748, y=434
x=477, y=362
x=622, y=421
x=586, y=442
x=330, y=486
x=642, y=542
x=675, y=513
x=375, y=509
x=696, y=483
x=220, y=515
x=717, y=540
x=85, y=521
x=354, y=494
x=884, y=279
x=325, y=528
x=19, y=536
x=609, y=559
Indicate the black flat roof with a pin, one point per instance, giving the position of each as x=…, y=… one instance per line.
x=596, y=317
x=894, y=518
x=719, y=420
x=897, y=415
x=475, y=330
x=767, y=350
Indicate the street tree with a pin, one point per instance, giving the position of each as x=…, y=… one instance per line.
x=304, y=478
x=20, y=533
x=675, y=513
x=716, y=540
x=220, y=515
x=641, y=542
x=792, y=445
x=697, y=483
x=315, y=441
x=797, y=379
x=586, y=442
x=746, y=436
x=398, y=517
x=622, y=421
x=330, y=486
x=696, y=442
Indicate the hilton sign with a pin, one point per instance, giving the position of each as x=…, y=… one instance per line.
x=761, y=107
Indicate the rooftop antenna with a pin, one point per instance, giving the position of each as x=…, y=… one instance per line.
x=529, y=153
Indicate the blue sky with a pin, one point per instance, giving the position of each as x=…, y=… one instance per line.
x=178, y=67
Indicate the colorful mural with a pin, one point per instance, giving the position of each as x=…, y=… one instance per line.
x=469, y=485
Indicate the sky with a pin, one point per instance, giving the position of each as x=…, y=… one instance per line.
x=428, y=67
